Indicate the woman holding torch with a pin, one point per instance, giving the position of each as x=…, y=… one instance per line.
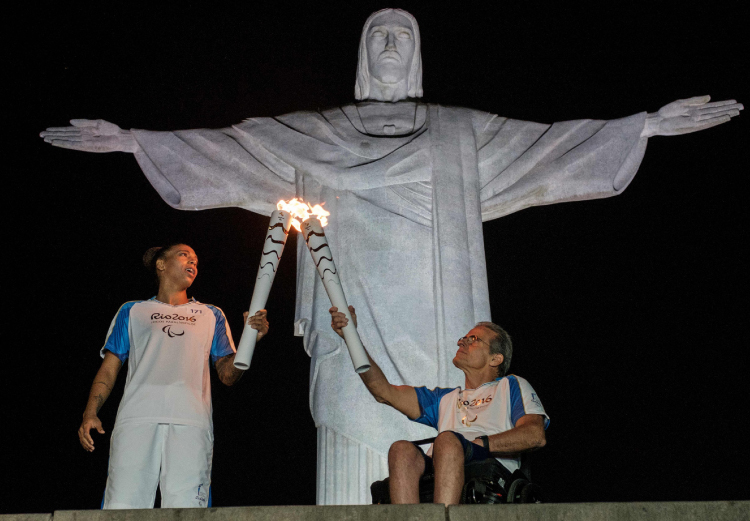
x=163, y=434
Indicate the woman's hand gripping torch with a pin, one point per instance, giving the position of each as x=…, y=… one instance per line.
x=316, y=242
x=278, y=230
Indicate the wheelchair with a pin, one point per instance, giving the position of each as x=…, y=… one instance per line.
x=485, y=482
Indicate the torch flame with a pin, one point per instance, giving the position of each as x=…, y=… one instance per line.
x=302, y=211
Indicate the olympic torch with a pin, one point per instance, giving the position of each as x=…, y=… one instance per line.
x=315, y=238
x=278, y=230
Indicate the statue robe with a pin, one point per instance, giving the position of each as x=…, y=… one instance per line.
x=405, y=231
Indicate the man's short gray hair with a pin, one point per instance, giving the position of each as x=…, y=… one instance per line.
x=500, y=344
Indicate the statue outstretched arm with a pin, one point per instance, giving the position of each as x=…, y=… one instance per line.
x=91, y=135
x=690, y=115
x=192, y=169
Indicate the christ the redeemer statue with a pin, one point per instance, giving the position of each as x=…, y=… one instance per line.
x=408, y=185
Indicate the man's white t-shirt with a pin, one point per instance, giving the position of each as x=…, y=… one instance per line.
x=168, y=348
x=489, y=409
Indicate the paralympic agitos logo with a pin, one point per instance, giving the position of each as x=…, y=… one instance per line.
x=170, y=333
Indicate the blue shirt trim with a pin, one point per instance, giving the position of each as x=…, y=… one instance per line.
x=429, y=404
x=220, y=346
x=517, y=410
x=118, y=340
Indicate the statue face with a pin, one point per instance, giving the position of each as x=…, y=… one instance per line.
x=390, y=48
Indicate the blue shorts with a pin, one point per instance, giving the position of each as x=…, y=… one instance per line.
x=472, y=452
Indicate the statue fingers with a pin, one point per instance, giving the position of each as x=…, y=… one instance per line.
x=83, y=145
x=88, y=122
x=702, y=126
x=68, y=134
x=65, y=136
x=96, y=126
x=720, y=103
x=731, y=113
x=64, y=133
x=65, y=143
x=49, y=137
x=85, y=122
x=709, y=108
x=697, y=100
x=60, y=129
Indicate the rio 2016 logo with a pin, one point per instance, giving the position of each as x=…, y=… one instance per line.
x=159, y=316
x=475, y=402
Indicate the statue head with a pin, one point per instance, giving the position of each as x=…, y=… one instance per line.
x=389, y=54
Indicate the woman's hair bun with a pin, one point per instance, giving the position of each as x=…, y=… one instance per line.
x=150, y=256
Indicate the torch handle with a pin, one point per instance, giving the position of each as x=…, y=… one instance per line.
x=249, y=337
x=353, y=342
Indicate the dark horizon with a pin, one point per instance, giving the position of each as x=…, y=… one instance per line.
x=626, y=313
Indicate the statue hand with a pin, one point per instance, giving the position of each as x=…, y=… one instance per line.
x=690, y=115
x=91, y=135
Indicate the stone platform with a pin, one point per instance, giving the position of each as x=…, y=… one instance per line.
x=661, y=511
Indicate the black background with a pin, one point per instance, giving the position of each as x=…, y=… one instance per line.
x=626, y=313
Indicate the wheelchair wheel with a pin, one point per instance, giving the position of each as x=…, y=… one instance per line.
x=531, y=493
x=481, y=492
x=523, y=491
x=515, y=489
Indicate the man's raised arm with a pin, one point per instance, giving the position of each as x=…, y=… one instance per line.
x=403, y=398
x=91, y=135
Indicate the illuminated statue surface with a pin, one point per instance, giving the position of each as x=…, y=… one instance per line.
x=408, y=185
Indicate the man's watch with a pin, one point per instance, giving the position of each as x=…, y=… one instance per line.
x=485, y=442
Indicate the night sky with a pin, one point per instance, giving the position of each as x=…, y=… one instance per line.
x=626, y=313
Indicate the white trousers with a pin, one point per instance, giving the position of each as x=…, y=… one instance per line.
x=177, y=458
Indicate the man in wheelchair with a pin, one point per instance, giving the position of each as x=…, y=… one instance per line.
x=496, y=416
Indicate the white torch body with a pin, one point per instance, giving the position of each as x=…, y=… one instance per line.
x=273, y=247
x=322, y=257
